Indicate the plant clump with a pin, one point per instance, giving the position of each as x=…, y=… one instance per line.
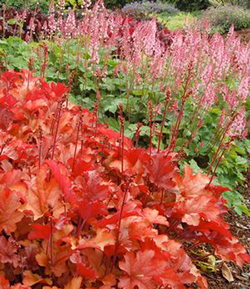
x=81, y=206
x=223, y=17
x=147, y=7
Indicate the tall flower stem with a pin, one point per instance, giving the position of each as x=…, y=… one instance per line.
x=119, y=224
x=150, y=110
x=168, y=95
x=221, y=143
x=220, y=158
x=122, y=142
x=184, y=97
x=40, y=132
x=77, y=137
x=57, y=126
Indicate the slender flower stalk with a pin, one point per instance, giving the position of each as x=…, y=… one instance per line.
x=126, y=189
x=185, y=95
x=122, y=122
x=77, y=138
x=137, y=134
x=40, y=132
x=150, y=110
x=51, y=241
x=167, y=100
x=45, y=60
x=221, y=142
x=220, y=158
x=57, y=125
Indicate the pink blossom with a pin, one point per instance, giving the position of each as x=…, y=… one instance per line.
x=244, y=88
x=231, y=99
x=238, y=126
x=209, y=96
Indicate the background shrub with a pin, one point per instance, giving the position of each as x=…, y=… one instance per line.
x=176, y=21
x=187, y=5
x=222, y=17
x=243, y=3
x=116, y=3
x=31, y=4
x=149, y=7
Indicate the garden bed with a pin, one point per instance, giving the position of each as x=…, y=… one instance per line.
x=119, y=147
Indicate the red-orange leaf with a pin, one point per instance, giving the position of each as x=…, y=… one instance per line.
x=63, y=182
x=91, y=209
x=9, y=214
x=140, y=270
x=8, y=250
x=85, y=272
x=40, y=232
x=161, y=171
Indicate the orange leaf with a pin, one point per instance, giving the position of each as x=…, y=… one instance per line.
x=140, y=270
x=43, y=195
x=31, y=279
x=9, y=214
x=75, y=283
x=103, y=238
x=191, y=185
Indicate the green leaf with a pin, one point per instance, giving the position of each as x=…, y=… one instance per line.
x=240, y=209
x=14, y=21
x=112, y=105
x=114, y=124
x=193, y=164
x=241, y=161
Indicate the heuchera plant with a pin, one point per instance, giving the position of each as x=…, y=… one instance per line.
x=81, y=207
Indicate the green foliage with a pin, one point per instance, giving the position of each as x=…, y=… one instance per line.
x=72, y=3
x=222, y=17
x=243, y=3
x=147, y=7
x=116, y=3
x=42, y=4
x=176, y=21
x=31, y=4
x=187, y=5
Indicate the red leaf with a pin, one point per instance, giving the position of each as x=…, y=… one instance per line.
x=4, y=284
x=8, y=252
x=191, y=185
x=140, y=270
x=161, y=171
x=63, y=182
x=9, y=214
x=81, y=166
x=59, y=89
x=84, y=271
x=40, y=232
x=130, y=209
x=231, y=250
x=93, y=188
x=6, y=117
x=90, y=209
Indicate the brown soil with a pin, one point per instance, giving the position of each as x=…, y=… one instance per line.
x=244, y=34
x=240, y=227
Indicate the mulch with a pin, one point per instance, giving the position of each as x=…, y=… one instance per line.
x=244, y=34
x=239, y=227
